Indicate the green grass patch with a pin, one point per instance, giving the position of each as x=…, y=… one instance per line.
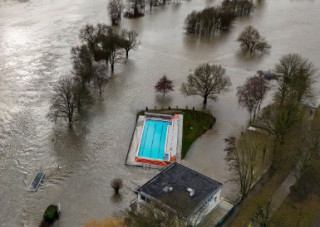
x=195, y=123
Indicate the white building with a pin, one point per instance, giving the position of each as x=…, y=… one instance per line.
x=183, y=190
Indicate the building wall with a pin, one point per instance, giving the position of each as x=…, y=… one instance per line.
x=207, y=207
x=211, y=203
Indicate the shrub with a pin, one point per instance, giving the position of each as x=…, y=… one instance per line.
x=51, y=214
x=116, y=184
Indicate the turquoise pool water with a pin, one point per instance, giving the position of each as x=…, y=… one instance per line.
x=153, y=139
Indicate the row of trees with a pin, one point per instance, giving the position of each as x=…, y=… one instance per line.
x=296, y=75
x=211, y=19
x=284, y=120
x=102, y=47
x=135, y=8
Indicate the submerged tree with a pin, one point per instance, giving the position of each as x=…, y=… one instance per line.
x=90, y=34
x=210, y=19
x=164, y=85
x=207, y=21
x=82, y=63
x=115, y=8
x=251, y=94
x=207, y=81
x=129, y=40
x=136, y=8
x=66, y=100
x=191, y=23
x=99, y=75
x=250, y=40
x=238, y=7
x=110, y=45
x=116, y=184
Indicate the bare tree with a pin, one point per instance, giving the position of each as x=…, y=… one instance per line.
x=208, y=20
x=116, y=184
x=263, y=215
x=129, y=40
x=296, y=78
x=115, y=8
x=164, y=85
x=152, y=3
x=136, y=8
x=90, y=34
x=225, y=19
x=242, y=160
x=207, y=81
x=82, y=63
x=251, y=94
x=99, y=74
x=250, y=40
x=239, y=7
x=111, y=44
x=191, y=23
x=64, y=103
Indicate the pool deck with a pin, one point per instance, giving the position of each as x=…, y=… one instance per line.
x=174, y=137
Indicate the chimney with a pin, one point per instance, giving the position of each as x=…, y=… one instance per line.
x=191, y=192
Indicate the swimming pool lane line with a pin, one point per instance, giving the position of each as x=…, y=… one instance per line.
x=160, y=142
x=144, y=140
x=154, y=132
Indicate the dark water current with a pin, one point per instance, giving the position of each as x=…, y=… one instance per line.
x=35, y=41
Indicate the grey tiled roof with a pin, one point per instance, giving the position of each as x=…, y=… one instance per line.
x=180, y=178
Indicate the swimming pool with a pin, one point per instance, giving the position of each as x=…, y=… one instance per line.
x=153, y=140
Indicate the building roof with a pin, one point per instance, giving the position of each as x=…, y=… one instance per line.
x=170, y=187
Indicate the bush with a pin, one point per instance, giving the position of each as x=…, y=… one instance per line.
x=51, y=214
x=116, y=184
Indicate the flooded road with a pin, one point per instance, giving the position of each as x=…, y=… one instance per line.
x=35, y=41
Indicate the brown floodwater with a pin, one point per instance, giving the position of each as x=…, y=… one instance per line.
x=35, y=41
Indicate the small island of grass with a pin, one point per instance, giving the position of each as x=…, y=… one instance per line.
x=195, y=123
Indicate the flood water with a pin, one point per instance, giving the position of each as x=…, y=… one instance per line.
x=35, y=41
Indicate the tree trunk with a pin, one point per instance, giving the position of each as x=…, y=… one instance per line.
x=70, y=118
x=135, y=12
x=127, y=54
x=251, y=50
x=112, y=67
x=205, y=98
